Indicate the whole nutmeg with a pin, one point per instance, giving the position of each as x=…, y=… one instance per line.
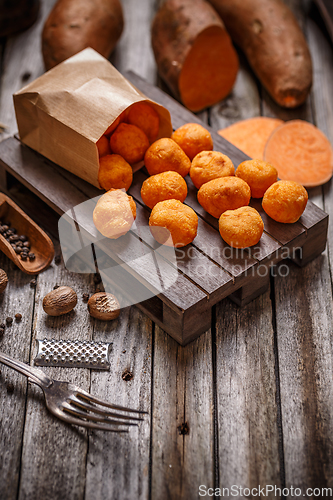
x=60, y=301
x=103, y=306
x=3, y=280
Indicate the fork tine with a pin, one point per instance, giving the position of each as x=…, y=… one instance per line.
x=89, y=425
x=78, y=413
x=85, y=395
x=89, y=407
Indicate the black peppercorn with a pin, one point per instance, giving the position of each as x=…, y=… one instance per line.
x=9, y=321
x=18, y=316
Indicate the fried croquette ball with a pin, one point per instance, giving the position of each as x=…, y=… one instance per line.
x=114, y=213
x=130, y=142
x=103, y=146
x=173, y=224
x=144, y=116
x=209, y=165
x=163, y=186
x=258, y=174
x=114, y=172
x=285, y=201
x=164, y=155
x=193, y=138
x=242, y=227
x=225, y=193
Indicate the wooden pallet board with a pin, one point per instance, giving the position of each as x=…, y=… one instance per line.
x=185, y=284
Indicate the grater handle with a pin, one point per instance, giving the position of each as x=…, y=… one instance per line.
x=35, y=375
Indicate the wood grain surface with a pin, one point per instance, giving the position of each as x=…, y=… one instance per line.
x=249, y=403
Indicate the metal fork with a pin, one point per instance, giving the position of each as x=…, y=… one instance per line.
x=74, y=405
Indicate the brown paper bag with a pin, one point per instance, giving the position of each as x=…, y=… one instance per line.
x=64, y=112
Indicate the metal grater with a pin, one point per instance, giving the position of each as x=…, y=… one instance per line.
x=73, y=354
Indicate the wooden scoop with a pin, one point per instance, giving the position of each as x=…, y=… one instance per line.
x=41, y=245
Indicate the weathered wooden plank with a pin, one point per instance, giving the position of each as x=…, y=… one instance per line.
x=246, y=395
x=303, y=322
x=118, y=465
x=182, y=439
x=54, y=453
x=17, y=298
x=22, y=63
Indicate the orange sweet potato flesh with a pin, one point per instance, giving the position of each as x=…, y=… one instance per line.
x=251, y=135
x=74, y=25
x=300, y=152
x=193, y=52
x=268, y=33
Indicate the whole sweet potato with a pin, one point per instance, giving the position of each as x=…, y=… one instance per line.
x=268, y=33
x=74, y=25
x=193, y=52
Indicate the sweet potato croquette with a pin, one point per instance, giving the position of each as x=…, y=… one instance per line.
x=103, y=146
x=130, y=142
x=114, y=213
x=242, y=227
x=258, y=174
x=114, y=172
x=173, y=224
x=145, y=117
x=193, y=138
x=164, y=155
x=225, y=193
x=209, y=165
x=285, y=201
x=163, y=186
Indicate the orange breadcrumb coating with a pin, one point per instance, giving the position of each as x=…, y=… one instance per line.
x=225, y=193
x=242, y=227
x=258, y=174
x=114, y=172
x=209, y=165
x=130, y=142
x=193, y=138
x=285, y=201
x=114, y=213
x=163, y=186
x=173, y=224
x=103, y=146
x=144, y=116
x=164, y=155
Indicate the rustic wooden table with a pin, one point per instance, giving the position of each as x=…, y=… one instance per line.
x=249, y=403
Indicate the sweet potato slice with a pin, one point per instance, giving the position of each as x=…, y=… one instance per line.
x=75, y=25
x=251, y=135
x=300, y=152
x=194, y=53
x=269, y=35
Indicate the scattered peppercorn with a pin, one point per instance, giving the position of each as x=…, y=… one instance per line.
x=2, y=325
x=57, y=259
x=31, y=256
x=10, y=388
x=2, y=331
x=9, y=320
x=127, y=375
x=55, y=287
x=18, y=316
x=85, y=297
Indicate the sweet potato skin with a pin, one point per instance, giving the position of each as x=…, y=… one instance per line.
x=74, y=25
x=175, y=27
x=268, y=33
